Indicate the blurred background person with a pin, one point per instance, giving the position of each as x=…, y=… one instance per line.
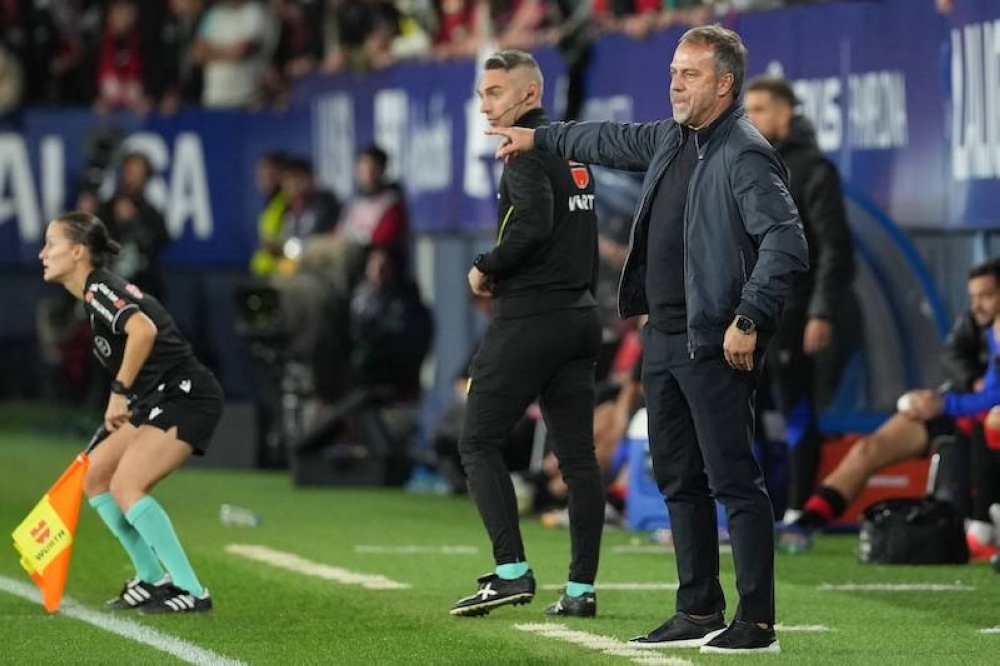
x=270, y=222
x=821, y=301
x=137, y=226
x=234, y=38
x=376, y=216
x=121, y=61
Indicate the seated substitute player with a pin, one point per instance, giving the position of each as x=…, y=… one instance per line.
x=925, y=418
x=164, y=406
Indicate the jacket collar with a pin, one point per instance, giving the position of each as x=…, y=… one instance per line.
x=532, y=118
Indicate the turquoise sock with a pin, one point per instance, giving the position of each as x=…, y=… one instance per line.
x=512, y=571
x=577, y=589
x=147, y=567
x=154, y=525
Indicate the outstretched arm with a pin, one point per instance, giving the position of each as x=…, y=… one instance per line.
x=626, y=146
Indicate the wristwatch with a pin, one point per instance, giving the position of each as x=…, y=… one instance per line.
x=745, y=325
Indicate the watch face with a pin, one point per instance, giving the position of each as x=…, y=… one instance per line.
x=744, y=324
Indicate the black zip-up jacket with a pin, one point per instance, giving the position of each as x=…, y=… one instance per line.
x=546, y=252
x=744, y=245
x=966, y=353
x=815, y=188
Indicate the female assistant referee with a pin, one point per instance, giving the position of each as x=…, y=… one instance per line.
x=164, y=406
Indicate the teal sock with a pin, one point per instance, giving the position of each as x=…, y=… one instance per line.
x=577, y=589
x=147, y=567
x=512, y=571
x=154, y=525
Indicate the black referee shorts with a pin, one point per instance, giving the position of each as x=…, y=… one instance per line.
x=189, y=398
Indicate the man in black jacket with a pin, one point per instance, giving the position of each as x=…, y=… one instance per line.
x=716, y=247
x=542, y=343
x=807, y=326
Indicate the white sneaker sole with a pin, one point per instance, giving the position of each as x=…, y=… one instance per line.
x=773, y=648
x=688, y=643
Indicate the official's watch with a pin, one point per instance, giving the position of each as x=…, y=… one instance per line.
x=745, y=325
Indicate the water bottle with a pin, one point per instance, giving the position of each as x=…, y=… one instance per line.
x=237, y=516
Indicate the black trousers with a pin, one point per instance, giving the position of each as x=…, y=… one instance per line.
x=790, y=373
x=701, y=420
x=550, y=357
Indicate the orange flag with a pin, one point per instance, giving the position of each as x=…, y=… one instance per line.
x=44, y=539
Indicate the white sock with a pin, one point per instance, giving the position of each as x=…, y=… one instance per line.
x=981, y=531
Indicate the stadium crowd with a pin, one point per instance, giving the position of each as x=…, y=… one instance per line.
x=166, y=54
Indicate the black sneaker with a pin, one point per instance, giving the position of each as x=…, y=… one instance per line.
x=682, y=631
x=138, y=593
x=584, y=605
x=495, y=591
x=743, y=638
x=178, y=601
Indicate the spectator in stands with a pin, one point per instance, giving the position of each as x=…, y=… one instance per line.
x=11, y=81
x=457, y=35
x=415, y=27
x=808, y=324
x=121, y=67
x=376, y=217
x=269, y=250
x=299, y=51
x=175, y=77
x=310, y=211
x=348, y=33
x=137, y=226
x=29, y=31
x=925, y=420
x=232, y=46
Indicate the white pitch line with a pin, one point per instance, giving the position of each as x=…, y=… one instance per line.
x=897, y=587
x=293, y=562
x=653, y=549
x=415, y=550
x=803, y=628
x=990, y=630
x=629, y=587
x=605, y=644
x=140, y=633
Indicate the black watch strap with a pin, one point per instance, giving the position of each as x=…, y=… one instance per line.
x=120, y=388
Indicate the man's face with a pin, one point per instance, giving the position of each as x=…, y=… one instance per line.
x=369, y=174
x=135, y=176
x=771, y=115
x=503, y=95
x=984, y=299
x=697, y=93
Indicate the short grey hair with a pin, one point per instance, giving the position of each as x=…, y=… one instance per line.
x=511, y=59
x=730, y=55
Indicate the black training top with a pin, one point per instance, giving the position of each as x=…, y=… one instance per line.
x=110, y=301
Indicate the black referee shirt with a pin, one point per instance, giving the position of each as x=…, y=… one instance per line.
x=110, y=301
